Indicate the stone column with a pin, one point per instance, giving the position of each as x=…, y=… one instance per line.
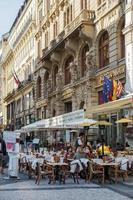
x=128, y=31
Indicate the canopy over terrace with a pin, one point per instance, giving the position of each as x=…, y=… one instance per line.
x=72, y=120
x=125, y=102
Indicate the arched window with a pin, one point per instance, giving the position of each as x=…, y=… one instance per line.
x=39, y=87
x=46, y=77
x=104, y=50
x=55, y=72
x=83, y=60
x=122, y=41
x=68, y=70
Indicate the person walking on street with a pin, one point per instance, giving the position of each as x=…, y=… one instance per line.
x=2, y=154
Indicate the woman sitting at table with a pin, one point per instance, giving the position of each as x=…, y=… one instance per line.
x=69, y=154
x=62, y=153
x=79, y=153
x=88, y=150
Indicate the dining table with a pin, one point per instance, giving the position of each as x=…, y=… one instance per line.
x=106, y=167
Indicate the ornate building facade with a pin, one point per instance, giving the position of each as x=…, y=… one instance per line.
x=18, y=57
x=75, y=44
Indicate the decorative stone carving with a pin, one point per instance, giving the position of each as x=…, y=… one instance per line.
x=59, y=80
x=74, y=71
x=55, y=57
x=91, y=62
x=49, y=84
x=70, y=46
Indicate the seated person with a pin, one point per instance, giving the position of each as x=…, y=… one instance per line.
x=79, y=153
x=69, y=154
x=62, y=152
x=89, y=150
x=105, y=149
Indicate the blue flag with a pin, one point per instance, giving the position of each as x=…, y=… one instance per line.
x=107, y=88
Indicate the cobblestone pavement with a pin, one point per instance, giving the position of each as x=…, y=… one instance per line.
x=27, y=190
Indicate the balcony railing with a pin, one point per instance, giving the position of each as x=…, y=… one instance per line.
x=85, y=16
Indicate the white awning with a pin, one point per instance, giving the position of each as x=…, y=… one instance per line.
x=72, y=120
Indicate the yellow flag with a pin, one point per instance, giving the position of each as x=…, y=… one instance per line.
x=114, y=97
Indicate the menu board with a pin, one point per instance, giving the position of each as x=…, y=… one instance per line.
x=10, y=139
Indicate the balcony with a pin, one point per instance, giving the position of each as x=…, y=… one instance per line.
x=85, y=16
x=54, y=43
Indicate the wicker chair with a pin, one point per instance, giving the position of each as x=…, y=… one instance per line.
x=43, y=171
x=117, y=172
x=96, y=171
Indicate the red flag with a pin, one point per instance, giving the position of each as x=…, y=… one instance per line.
x=17, y=81
x=119, y=89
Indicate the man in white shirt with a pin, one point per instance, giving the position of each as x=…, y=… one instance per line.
x=80, y=140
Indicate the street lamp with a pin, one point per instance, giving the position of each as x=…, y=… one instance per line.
x=102, y=128
x=86, y=128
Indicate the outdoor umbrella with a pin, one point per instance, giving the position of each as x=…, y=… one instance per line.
x=87, y=122
x=103, y=123
x=123, y=121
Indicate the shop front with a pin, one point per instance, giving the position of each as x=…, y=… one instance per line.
x=111, y=112
x=63, y=128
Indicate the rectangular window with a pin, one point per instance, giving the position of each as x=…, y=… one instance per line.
x=46, y=39
x=8, y=112
x=64, y=19
x=44, y=113
x=55, y=29
x=68, y=16
x=39, y=114
x=71, y=13
x=68, y=107
x=39, y=48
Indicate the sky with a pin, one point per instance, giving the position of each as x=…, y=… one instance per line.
x=8, y=13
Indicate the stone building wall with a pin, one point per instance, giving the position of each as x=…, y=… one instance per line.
x=81, y=89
